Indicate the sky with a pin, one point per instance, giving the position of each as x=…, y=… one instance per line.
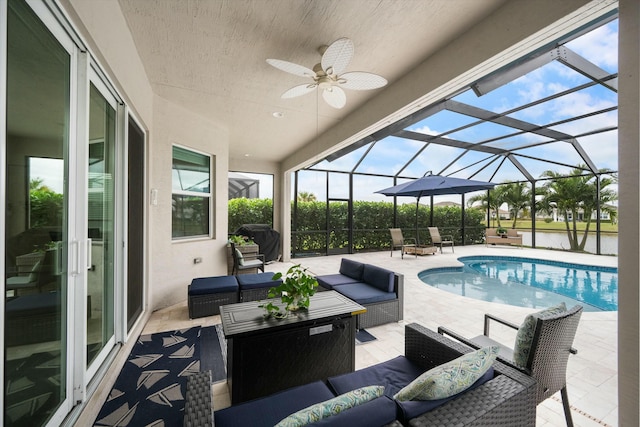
x=600, y=46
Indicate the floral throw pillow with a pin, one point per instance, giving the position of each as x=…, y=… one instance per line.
x=450, y=378
x=524, y=337
x=331, y=407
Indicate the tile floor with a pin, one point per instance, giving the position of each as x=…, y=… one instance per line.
x=592, y=373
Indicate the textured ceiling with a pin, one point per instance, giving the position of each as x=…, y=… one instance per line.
x=209, y=57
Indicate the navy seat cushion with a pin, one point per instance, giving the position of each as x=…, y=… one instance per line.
x=268, y=411
x=379, y=277
x=377, y=412
x=256, y=281
x=212, y=285
x=33, y=304
x=394, y=374
x=363, y=293
x=351, y=268
x=329, y=281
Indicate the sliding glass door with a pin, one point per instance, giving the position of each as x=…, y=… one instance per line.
x=36, y=211
x=61, y=158
x=100, y=265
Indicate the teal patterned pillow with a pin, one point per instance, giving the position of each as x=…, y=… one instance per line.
x=331, y=407
x=450, y=378
x=524, y=337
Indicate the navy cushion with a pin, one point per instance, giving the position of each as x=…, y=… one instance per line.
x=268, y=411
x=32, y=304
x=394, y=374
x=213, y=285
x=351, y=269
x=329, y=281
x=379, y=277
x=377, y=412
x=363, y=293
x=256, y=281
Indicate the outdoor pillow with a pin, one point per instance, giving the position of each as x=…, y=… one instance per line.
x=524, y=337
x=351, y=268
x=331, y=407
x=450, y=378
x=240, y=257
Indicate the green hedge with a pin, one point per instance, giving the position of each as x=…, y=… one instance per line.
x=371, y=223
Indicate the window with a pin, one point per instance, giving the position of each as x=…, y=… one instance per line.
x=191, y=194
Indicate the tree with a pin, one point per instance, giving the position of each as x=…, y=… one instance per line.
x=491, y=200
x=570, y=195
x=517, y=197
x=305, y=196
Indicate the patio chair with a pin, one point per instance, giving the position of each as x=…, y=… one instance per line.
x=551, y=340
x=398, y=241
x=439, y=240
x=243, y=262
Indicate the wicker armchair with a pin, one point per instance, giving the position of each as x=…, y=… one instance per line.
x=246, y=262
x=549, y=354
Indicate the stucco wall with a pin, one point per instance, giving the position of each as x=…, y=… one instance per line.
x=171, y=266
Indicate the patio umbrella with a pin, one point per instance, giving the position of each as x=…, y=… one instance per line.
x=435, y=185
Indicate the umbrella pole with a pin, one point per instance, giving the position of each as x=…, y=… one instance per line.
x=417, y=234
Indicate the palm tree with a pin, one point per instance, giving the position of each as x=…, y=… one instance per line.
x=571, y=194
x=491, y=200
x=517, y=197
x=305, y=196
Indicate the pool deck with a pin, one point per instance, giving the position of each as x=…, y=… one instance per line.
x=592, y=373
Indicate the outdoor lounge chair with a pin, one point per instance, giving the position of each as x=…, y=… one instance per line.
x=246, y=262
x=398, y=241
x=551, y=340
x=438, y=240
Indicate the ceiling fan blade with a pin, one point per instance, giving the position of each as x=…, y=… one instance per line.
x=292, y=68
x=359, y=80
x=337, y=56
x=334, y=96
x=299, y=90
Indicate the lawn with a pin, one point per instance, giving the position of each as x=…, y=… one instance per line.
x=605, y=227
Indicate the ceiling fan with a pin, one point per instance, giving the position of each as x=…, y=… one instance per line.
x=328, y=74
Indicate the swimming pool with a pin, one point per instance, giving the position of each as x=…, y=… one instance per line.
x=528, y=282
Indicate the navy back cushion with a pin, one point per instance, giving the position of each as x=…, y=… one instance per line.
x=351, y=268
x=379, y=277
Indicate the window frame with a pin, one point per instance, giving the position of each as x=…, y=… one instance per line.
x=199, y=194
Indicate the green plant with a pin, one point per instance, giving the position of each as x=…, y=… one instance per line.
x=294, y=291
x=501, y=230
x=241, y=240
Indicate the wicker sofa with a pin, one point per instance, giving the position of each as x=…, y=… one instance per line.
x=511, y=238
x=379, y=290
x=507, y=397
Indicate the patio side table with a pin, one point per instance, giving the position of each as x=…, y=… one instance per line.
x=268, y=355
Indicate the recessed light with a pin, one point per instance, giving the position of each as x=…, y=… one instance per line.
x=278, y=114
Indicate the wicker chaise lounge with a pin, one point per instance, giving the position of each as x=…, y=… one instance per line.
x=508, y=399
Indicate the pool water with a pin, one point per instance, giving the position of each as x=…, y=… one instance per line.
x=528, y=282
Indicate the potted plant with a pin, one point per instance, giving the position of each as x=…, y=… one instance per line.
x=294, y=291
x=501, y=231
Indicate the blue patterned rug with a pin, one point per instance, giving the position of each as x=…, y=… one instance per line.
x=151, y=387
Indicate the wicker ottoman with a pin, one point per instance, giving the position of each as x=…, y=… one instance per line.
x=207, y=294
x=254, y=287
